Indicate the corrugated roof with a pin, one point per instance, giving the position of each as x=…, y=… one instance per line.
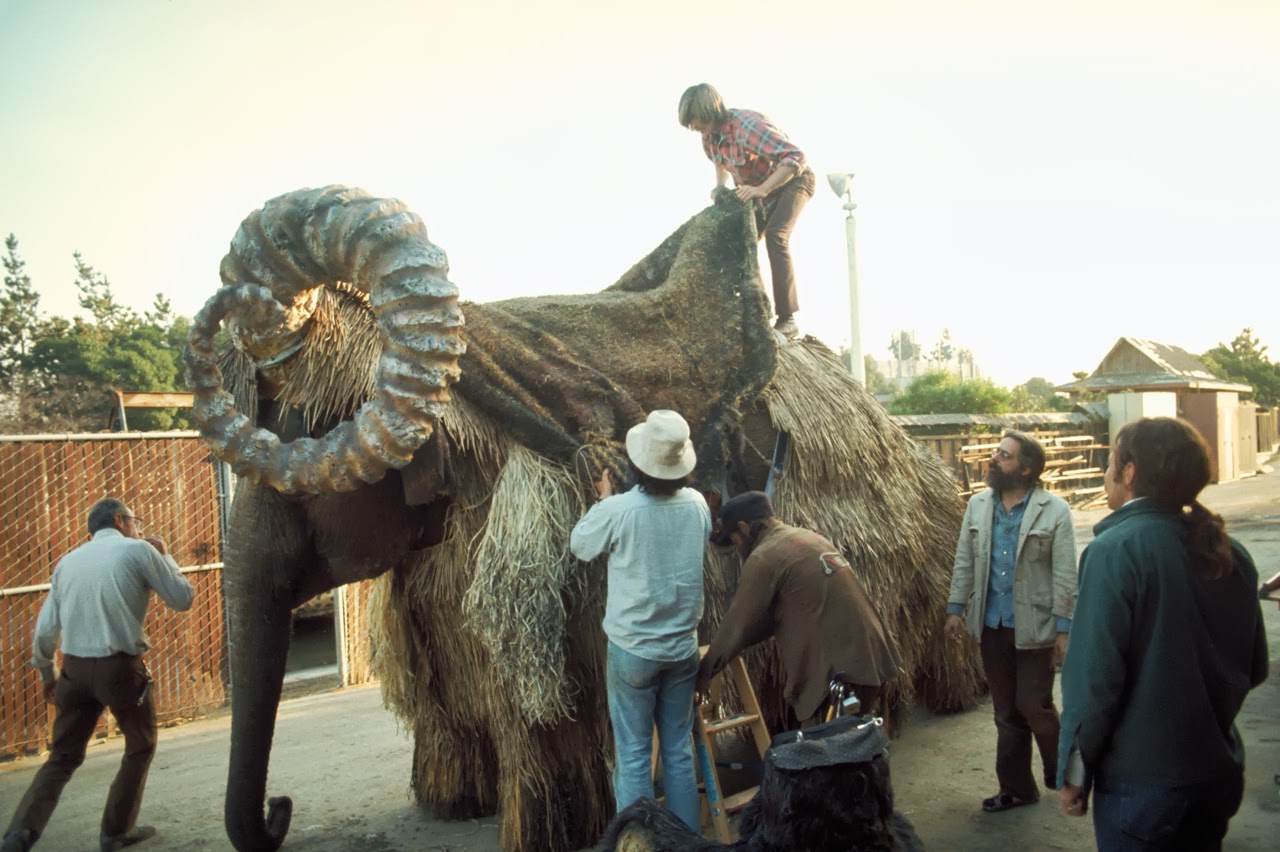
x=1174, y=360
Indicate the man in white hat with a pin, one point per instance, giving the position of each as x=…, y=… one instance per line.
x=655, y=536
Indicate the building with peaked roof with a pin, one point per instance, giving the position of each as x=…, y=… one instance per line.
x=1143, y=378
x=1144, y=365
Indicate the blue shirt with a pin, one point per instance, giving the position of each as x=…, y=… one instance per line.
x=656, y=546
x=1005, y=527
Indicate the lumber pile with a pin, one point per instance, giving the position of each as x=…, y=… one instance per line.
x=1074, y=466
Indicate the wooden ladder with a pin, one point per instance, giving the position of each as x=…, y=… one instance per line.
x=706, y=726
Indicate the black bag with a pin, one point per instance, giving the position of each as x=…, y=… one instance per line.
x=845, y=739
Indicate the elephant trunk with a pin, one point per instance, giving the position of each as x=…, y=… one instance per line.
x=294, y=244
x=261, y=645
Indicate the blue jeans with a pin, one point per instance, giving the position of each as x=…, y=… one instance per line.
x=644, y=694
x=1129, y=816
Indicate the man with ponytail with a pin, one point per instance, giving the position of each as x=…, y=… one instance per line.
x=1167, y=640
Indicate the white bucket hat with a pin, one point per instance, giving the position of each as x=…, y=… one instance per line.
x=660, y=446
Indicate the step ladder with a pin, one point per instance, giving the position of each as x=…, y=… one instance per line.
x=707, y=726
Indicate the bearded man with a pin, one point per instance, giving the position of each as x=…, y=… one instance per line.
x=799, y=588
x=1013, y=589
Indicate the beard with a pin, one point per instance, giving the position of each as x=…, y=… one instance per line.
x=998, y=480
x=749, y=542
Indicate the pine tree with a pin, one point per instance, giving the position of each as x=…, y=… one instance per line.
x=19, y=312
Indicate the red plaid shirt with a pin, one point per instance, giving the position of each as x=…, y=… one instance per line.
x=750, y=148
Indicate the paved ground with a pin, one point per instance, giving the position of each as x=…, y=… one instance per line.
x=341, y=757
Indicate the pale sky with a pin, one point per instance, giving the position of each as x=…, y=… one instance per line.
x=1041, y=177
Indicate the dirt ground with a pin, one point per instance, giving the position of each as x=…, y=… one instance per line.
x=346, y=765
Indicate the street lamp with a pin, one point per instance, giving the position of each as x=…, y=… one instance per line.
x=839, y=182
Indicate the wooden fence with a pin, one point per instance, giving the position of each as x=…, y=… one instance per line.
x=47, y=484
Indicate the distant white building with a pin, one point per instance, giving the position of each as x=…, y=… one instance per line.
x=902, y=371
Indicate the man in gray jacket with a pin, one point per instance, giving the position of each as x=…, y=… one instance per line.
x=1014, y=583
x=98, y=600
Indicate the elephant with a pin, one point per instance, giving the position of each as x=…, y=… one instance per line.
x=382, y=428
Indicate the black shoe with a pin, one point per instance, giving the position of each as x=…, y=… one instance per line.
x=137, y=834
x=1051, y=782
x=19, y=840
x=1003, y=802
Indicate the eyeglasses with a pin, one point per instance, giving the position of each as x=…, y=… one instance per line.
x=133, y=518
x=1001, y=455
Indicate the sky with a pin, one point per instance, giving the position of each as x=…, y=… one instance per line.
x=1038, y=177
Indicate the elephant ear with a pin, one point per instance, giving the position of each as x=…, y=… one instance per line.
x=323, y=237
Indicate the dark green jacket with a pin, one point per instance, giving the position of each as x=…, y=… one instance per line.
x=1160, y=657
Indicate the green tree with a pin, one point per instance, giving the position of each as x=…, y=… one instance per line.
x=19, y=318
x=1245, y=361
x=96, y=298
x=19, y=311
x=1037, y=394
x=72, y=366
x=941, y=392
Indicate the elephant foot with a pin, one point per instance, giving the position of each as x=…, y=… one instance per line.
x=463, y=807
x=249, y=832
x=279, y=814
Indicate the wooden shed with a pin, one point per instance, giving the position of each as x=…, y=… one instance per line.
x=1143, y=378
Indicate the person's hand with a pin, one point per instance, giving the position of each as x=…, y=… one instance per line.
x=158, y=543
x=701, y=688
x=1073, y=800
x=954, y=628
x=1060, y=649
x=50, y=692
x=604, y=485
x=748, y=193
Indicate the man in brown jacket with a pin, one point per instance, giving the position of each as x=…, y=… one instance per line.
x=799, y=588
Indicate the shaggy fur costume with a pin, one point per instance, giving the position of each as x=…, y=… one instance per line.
x=488, y=639
x=844, y=808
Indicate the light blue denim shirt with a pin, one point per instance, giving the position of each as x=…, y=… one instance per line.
x=655, y=546
x=1005, y=528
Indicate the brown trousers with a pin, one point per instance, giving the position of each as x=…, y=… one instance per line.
x=1021, y=684
x=776, y=219
x=86, y=686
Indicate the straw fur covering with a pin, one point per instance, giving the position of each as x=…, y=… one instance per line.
x=489, y=644
x=887, y=502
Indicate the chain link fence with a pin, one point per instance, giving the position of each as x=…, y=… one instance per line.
x=47, y=485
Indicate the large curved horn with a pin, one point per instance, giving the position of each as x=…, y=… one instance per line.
x=293, y=244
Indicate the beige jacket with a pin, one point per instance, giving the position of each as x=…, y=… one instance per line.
x=1044, y=574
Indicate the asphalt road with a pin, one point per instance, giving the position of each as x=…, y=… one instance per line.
x=342, y=758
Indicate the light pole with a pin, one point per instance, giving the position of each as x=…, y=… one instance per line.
x=839, y=182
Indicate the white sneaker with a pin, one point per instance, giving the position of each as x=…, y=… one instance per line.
x=786, y=326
